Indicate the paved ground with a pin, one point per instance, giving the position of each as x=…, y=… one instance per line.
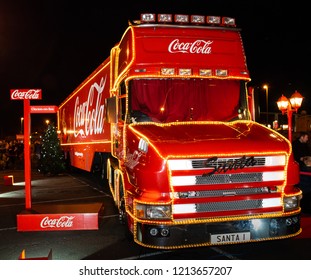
x=48, y=191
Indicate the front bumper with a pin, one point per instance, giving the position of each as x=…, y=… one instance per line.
x=218, y=233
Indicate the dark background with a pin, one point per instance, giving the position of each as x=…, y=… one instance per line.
x=54, y=45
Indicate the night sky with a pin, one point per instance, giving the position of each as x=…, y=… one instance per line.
x=54, y=45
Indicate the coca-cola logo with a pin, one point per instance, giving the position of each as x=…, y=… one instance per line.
x=89, y=115
x=62, y=222
x=18, y=94
x=196, y=47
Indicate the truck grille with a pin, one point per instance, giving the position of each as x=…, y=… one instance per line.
x=229, y=178
x=202, y=187
x=229, y=205
x=224, y=192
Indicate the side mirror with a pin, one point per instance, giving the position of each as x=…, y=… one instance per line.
x=111, y=109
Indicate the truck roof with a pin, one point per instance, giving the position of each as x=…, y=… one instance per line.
x=148, y=48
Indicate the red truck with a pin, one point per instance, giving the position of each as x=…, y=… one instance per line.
x=168, y=119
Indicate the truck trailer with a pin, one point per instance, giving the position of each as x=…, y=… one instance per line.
x=168, y=119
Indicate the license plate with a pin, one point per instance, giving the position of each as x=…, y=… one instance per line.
x=230, y=237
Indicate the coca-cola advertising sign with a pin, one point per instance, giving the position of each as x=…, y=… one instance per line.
x=88, y=115
x=195, y=47
x=61, y=222
x=21, y=94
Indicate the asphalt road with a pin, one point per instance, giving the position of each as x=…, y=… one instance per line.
x=109, y=241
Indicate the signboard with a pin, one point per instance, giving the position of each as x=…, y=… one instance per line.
x=60, y=217
x=43, y=109
x=19, y=136
x=21, y=94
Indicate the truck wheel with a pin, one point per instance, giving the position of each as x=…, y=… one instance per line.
x=123, y=216
x=103, y=169
x=110, y=174
x=122, y=212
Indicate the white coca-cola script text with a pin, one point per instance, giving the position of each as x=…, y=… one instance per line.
x=89, y=114
x=196, y=47
x=25, y=94
x=62, y=222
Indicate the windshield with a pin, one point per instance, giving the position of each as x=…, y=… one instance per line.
x=171, y=100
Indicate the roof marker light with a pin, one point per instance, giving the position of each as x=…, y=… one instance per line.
x=228, y=21
x=205, y=72
x=197, y=19
x=185, y=72
x=147, y=18
x=221, y=72
x=181, y=18
x=213, y=20
x=167, y=71
x=165, y=17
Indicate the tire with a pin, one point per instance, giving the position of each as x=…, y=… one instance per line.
x=123, y=216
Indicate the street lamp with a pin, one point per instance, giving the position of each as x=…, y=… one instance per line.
x=289, y=107
x=266, y=88
x=22, y=119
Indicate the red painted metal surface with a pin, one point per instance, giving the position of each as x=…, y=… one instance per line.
x=27, y=153
x=209, y=138
x=81, y=120
x=169, y=46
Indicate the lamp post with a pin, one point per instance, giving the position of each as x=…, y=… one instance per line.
x=22, y=119
x=266, y=88
x=289, y=107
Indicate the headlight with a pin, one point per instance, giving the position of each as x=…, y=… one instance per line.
x=154, y=212
x=291, y=202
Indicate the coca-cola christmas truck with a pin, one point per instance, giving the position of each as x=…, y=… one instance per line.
x=169, y=119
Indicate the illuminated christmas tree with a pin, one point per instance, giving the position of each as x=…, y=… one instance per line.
x=52, y=158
